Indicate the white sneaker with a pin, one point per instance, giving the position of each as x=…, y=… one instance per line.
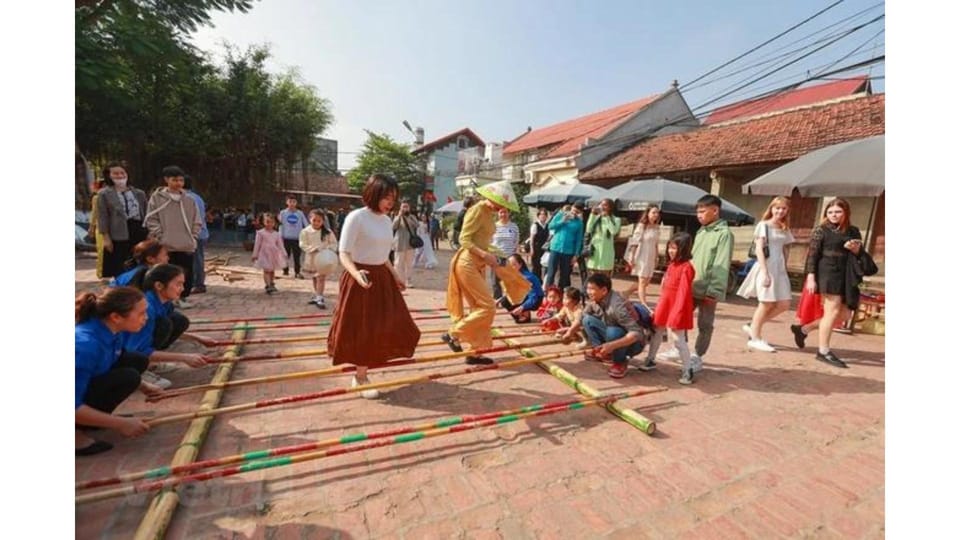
x=747, y=330
x=321, y=302
x=183, y=304
x=155, y=380
x=696, y=363
x=760, y=345
x=366, y=394
x=672, y=354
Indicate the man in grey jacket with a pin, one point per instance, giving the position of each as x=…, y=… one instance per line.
x=174, y=220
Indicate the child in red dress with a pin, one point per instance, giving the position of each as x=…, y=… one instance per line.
x=551, y=305
x=675, y=308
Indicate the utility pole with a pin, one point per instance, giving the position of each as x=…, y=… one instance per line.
x=417, y=132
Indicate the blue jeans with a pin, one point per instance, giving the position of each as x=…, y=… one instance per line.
x=198, y=276
x=561, y=262
x=599, y=333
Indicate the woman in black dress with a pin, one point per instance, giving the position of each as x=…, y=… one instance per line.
x=831, y=244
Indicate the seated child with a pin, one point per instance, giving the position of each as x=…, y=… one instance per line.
x=521, y=312
x=571, y=311
x=146, y=255
x=551, y=306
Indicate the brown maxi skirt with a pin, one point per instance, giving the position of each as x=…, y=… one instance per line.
x=371, y=326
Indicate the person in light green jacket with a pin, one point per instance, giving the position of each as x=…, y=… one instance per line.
x=602, y=229
x=712, y=251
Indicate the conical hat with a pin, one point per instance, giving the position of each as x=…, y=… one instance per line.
x=500, y=193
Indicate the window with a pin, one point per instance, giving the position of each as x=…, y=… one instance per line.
x=462, y=142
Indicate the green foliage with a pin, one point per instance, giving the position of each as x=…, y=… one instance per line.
x=522, y=218
x=381, y=154
x=144, y=94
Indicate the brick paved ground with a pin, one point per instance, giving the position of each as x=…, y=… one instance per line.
x=762, y=446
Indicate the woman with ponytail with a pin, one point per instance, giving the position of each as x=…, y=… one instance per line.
x=162, y=286
x=105, y=373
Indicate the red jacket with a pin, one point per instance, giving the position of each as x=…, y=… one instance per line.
x=675, y=308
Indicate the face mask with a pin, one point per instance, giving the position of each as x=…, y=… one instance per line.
x=120, y=182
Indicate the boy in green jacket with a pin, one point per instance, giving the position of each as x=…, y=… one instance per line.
x=712, y=251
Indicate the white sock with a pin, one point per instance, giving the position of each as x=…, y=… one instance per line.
x=681, y=342
x=824, y=350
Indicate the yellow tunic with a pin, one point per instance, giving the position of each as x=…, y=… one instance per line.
x=98, y=238
x=467, y=282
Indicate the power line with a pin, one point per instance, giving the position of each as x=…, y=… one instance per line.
x=718, y=98
x=774, y=38
x=773, y=52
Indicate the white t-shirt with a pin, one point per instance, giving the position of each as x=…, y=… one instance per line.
x=367, y=237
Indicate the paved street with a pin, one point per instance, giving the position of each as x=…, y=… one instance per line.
x=761, y=446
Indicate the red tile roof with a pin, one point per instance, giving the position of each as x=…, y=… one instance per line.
x=769, y=139
x=566, y=137
x=450, y=138
x=789, y=99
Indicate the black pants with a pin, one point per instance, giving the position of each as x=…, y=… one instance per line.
x=535, y=265
x=168, y=329
x=184, y=260
x=107, y=391
x=293, y=247
x=584, y=273
x=113, y=260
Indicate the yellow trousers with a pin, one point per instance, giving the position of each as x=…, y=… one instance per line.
x=468, y=284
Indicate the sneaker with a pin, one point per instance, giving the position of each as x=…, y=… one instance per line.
x=286, y=271
x=594, y=355
x=687, y=377
x=672, y=354
x=272, y=288
x=313, y=300
x=321, y=302
x=452, y=342
x=479, y=361
x=156, y=380
x=747, y=330
x=648, y=365
x=183, y=304
x=617, y=371
x=299, y=276
x=831, y=359
x=373, y=393
x=267, y=289
x=696, y=363
x=798, y=336
x=199, y=289
x=760, y=345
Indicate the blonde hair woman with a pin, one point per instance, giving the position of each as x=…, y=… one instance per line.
x=768, y=279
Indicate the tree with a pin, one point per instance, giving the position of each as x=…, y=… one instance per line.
x=381, y=154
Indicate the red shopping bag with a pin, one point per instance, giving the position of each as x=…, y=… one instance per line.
x=810, y=308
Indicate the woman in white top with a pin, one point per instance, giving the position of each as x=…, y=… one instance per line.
x=643, y=250
x=370, y=301
x=768, y=279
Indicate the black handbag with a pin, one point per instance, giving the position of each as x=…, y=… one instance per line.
x=752, y=253
x=415, y=241
x=865, y=264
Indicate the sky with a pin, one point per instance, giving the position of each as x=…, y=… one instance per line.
x=500, y=66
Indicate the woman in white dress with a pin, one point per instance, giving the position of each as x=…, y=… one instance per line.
x=768, y=279
x=642, y=251
x=425, y=258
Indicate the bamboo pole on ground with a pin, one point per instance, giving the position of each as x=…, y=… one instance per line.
x=321, y=324
x=349, y=390
x=274, y=318
x=629, y=416
x=161, y=509
x=336, y=370
x=275, y=458
x=207, y=342
x=166, y=471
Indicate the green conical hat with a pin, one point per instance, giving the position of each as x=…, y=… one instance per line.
x=500, y=193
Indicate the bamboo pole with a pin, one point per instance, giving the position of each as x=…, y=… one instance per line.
x=299, y=325
x=349, y=390
x=284, y=355
x=275, y=318
x=163, y=472
x=161, y=509
x=270, y=458
x=208, y=342
x=336, y=370
x=629, y=416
